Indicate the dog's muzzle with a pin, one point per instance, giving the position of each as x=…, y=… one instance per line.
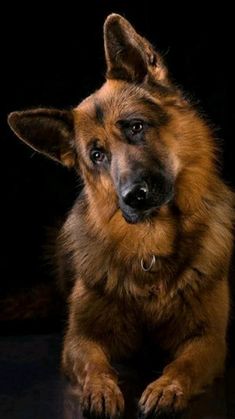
x=142, y=199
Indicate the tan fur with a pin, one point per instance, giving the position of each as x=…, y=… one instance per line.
x=184, y=302
x=193, y=329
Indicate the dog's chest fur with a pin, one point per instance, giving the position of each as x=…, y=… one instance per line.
x=108, y=258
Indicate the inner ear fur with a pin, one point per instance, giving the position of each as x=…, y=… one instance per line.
x=48, y=131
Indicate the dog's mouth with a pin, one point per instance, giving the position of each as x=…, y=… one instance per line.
x=134, y=217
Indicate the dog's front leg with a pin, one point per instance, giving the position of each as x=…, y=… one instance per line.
x=88, y=367
x=87, y=353
x=197, y=362
x=198, y=359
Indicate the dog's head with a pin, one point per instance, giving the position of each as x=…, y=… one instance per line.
x=133, y=139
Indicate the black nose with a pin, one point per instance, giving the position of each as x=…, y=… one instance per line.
x=135, y=195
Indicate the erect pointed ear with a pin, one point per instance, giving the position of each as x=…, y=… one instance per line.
x=128, y=55
x=49, y=131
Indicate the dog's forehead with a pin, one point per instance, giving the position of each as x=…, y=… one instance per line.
x=115, y=99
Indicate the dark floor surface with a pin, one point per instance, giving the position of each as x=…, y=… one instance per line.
x=32, y=386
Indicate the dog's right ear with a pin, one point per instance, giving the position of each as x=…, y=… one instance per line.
x=124, y=57
x=129, y=56
x=48, y=131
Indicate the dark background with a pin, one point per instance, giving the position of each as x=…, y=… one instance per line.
x=54, y=57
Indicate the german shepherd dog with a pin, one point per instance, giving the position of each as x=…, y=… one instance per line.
x=147, y=245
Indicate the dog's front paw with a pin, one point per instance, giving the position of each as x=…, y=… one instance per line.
x=162, y=397
x=101, y=398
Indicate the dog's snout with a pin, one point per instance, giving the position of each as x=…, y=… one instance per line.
x=135, y=195
x=143, y=194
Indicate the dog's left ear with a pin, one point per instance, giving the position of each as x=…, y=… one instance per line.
x=48, y=131
x=129, y=56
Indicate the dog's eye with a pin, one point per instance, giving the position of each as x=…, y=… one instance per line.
x=133, y=129
x=136, y=127
x=97, y=156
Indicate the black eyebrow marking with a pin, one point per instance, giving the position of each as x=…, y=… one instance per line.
x=94, y=143
x=163, y=117
x=99, y=113
x=149, y=102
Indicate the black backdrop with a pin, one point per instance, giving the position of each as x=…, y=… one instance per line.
x=54, y=57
